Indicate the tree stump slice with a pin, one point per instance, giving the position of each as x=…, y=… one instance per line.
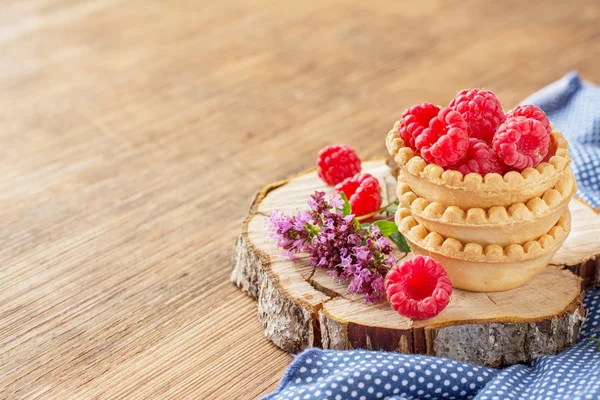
x=581, y=251
x=301, y=307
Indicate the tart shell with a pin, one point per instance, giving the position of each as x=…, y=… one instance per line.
x=473, y=190
x=492, y=268
x=518, y=223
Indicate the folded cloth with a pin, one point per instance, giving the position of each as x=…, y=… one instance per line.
x=574, y=108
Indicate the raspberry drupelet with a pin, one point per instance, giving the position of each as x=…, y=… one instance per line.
x=418, y=288
x=531, y=111
x=445, y=141
x=482, y=111
x=336, y=163
x=480, y=159
x=521, y=142
x=414, y=120
x=363, y=193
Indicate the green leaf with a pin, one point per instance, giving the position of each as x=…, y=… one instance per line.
x=357, y=224
x=386, y=227
x=365, y=225
x=597, y=341
x=400, y=242
x=347, y=208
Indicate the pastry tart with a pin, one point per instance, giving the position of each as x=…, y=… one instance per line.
x=489, y=268
x=432, y=183
x=517, y=223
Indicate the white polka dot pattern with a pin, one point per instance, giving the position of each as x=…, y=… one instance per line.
x=573, y=106
x=360, y=374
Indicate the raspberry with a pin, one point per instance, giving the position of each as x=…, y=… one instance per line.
x=521, y=142
x=445, y=141
x=481, y=159
x=531, y=111
x=482, y=111
x=414, y=120
x=336, y=163
x=363, y=193
x=418, y=288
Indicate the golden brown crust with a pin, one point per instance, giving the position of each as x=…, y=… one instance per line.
x=474, y=252
x=533, y=210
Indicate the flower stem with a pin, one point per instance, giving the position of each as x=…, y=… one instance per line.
x=374, y=213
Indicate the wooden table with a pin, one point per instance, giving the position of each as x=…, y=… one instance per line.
x=134, y=135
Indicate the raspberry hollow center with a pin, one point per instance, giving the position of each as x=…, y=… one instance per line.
x=418, y=288
x=420, y=285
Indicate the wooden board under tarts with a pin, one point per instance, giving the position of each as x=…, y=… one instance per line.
x=580, y=253
x=300, y=307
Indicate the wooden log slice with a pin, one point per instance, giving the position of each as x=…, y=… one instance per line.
x=581, y=251
x=301, y=307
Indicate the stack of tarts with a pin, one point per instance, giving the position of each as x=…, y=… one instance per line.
x=492, y=231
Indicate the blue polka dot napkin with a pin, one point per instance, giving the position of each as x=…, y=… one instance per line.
x=574, y=108
x=573, y=374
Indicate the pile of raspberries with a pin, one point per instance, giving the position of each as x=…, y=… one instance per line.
x=473, y=134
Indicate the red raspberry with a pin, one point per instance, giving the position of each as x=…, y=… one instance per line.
x=521, y=142
x=480, y=159
x=336, y=163
x=445, y=141
x=418, y=288
x=363, y=193
x=414, y=120
x=531, y=111
x=482, y=111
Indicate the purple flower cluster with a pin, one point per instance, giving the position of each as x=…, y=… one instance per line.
x=373, y=260
x=336, y=242
x=292, y=233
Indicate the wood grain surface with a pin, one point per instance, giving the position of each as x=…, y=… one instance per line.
x=134, y=135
